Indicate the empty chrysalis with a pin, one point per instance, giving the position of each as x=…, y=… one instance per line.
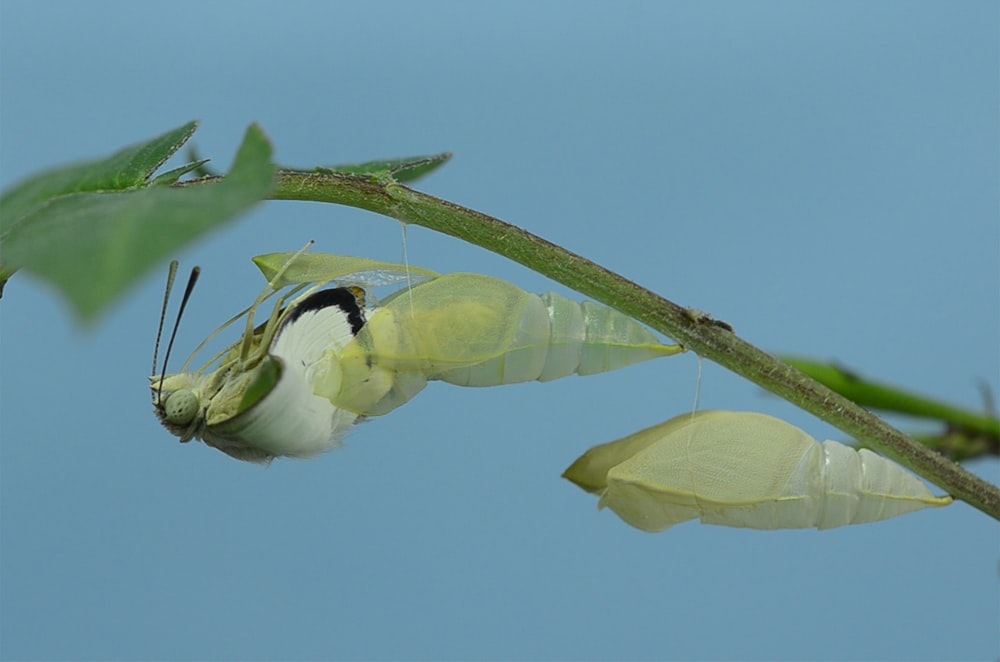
x=744, y=469
x=327, y=358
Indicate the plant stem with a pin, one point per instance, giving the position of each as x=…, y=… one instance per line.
x=693, y=330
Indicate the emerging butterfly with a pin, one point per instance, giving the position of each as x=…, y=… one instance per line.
x=327, y=358
x=744, y=469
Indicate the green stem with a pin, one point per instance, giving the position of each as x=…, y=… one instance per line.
x=695, y=331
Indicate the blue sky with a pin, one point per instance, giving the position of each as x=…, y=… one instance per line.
x=822, y=176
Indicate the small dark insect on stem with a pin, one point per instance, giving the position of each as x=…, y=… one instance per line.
x=192, y=279
x=701, y=317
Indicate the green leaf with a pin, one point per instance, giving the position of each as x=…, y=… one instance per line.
x=403, y=170
x=128, y=168
x=93, y=245
x=171, y=177
x=201, y=168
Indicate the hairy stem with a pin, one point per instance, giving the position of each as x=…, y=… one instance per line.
x=695, y=331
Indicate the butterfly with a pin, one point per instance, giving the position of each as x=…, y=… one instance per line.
x=329, y=357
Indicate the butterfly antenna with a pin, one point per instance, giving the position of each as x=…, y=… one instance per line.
x=171, y=274
x=192, y=279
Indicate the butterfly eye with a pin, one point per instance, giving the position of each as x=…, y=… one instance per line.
x=181, y=407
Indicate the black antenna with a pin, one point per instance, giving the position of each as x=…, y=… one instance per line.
x=192, y=279
x=171, y=274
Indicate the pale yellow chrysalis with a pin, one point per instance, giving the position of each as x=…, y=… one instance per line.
x=474, y=330
x=744, y=469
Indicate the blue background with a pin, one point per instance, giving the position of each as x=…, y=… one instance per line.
x=823, y=176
